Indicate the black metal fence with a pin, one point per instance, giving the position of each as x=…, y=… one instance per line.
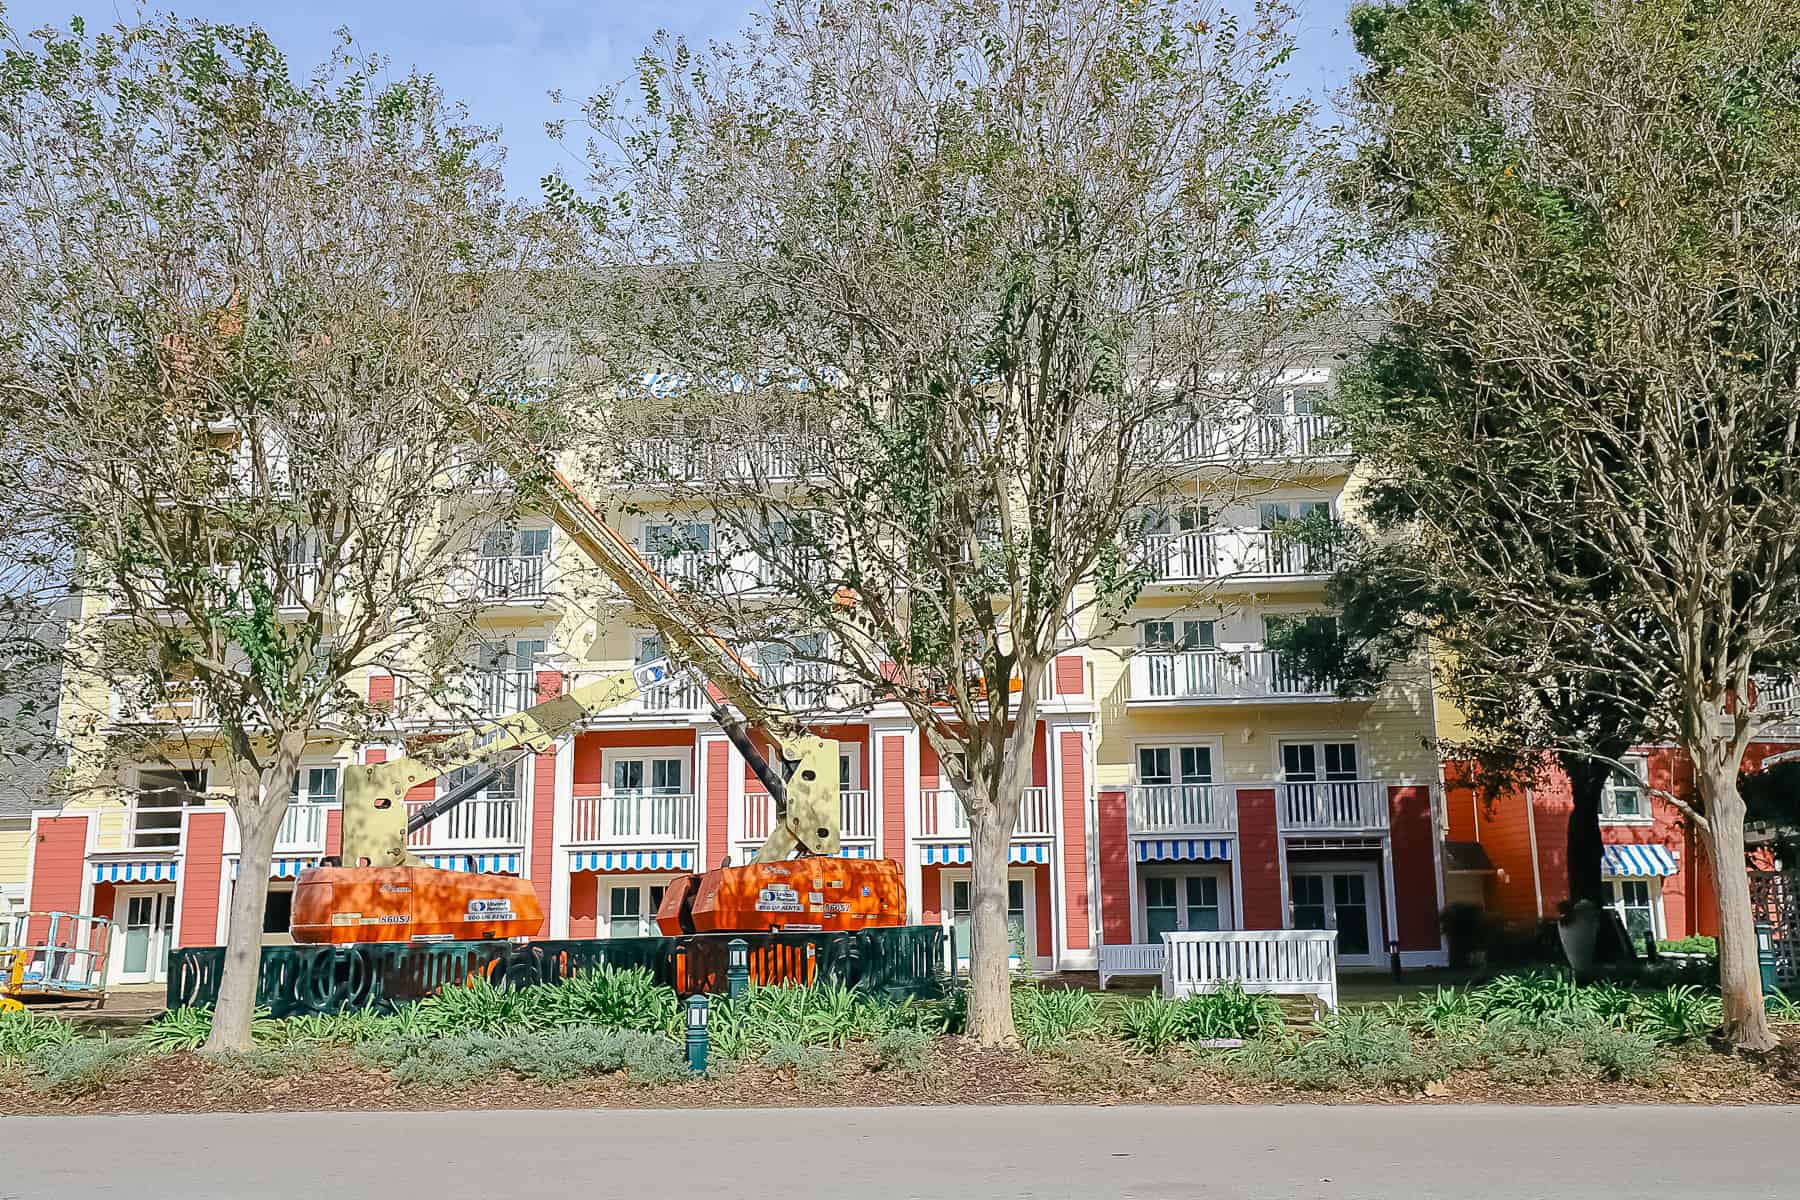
x=895, y=962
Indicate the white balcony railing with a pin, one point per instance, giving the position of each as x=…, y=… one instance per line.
x=1225, y=676
x=635, y=819
x=941, y=814
x=695, y=455
x=499, y=693
x=478, y=821
x=510, y=578
x=1182, y=808
x=302, y=827
x=1258, y=438
x=857, y=815
x=681, y=695
x=1332, y=805
x=1778, y=697
x=1210, y=554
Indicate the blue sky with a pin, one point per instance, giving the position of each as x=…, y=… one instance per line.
x=501, y=57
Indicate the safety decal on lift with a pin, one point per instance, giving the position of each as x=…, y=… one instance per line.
x=778, y=898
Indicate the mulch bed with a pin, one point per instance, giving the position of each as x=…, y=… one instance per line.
x=961, y=1073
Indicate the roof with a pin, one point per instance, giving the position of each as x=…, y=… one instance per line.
x=1467, y=856
x=29, y=750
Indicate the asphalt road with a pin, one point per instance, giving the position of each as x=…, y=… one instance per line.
x=878, y=1154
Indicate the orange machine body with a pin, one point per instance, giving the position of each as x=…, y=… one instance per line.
x=818, y=892
x=407, y=904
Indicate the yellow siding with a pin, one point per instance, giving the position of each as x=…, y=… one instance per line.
x=15, y=855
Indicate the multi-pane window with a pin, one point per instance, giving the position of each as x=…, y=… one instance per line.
x=656, y=776
x=631, y=910
x=1181, y=902
x=1162, y=635
x=961, y=904
x=1624, y=797
x=1635, y=902
x=1312, y=762
x=315, y=785
x=1157, y=765
x=156, y=809
x=669, y=538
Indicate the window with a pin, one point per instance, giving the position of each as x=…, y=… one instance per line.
x=1624, y=798
x=315, y=785
x=1636, y=904
x=278, y=910
x=667, y=539
x=491, y=814
x=296, y=569
x=1312, y=762
x=1160, y=635
x=655, y=776
x=1155, y=765
x=961, y=891
x=1181, y=902
x=515, y=543
x=1273, y=514
x=156, y=810
x=631, y=910
x=505, y=673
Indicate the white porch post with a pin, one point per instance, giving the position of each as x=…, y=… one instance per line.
x=562, y=805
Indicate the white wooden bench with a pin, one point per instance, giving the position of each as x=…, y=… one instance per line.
x=1277, y=962
x=1130, y=960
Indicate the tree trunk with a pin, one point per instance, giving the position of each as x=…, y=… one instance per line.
x=1746, y=1024
x=990, y=988
x=1587, y=786
x=259, y=807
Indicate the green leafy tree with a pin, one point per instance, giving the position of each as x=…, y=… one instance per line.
x=229, y=303
x=927, y=296
x=1598, y=203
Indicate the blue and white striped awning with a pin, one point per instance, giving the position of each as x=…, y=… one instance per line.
x=1636, y=861
x=1184, y=850
x=860, y=851
x=632, y=860
x=957, y=853
x=281, y=868
x=485, y=864
x=162, y=871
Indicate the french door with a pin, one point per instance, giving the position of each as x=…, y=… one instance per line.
x=1340, y=898
x=146, y=922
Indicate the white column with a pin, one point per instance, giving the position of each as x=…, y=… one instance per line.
x=562, y=807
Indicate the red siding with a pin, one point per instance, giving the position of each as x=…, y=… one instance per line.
x=589, y=746
x=1068, y=675
x=543, y=831
x=57, y=862
x=1114, y=851
x=1415, y=867
x=1040, y=759
x=205, y=846
x=718, y=802
x=584, y=905
x=1041, y=885
x=930, y=773
x=381, y=689
x=1074, y=841
x=549, y=685
x=893, y=808
x=1259, y=845
x=334, y=831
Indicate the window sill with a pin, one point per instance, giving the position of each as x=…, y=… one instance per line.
x=1629, y=822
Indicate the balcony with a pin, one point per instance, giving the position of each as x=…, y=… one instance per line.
x=1197, y=556
x=941, y=814
x=510, y=578
x=1263, y=438
x=720, y=451
x=857, y=815
x=1182, y=808
x=1220, y=677
x=302, y=829
x=1333, y=806
x=635, y=819
x=477, y=821
x=174, y=704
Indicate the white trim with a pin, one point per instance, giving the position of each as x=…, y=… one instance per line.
x=645, y=754
x=157, y=965
x=1229, y=918
x=562, y=816
x=951, y=875
x=606, y=885
x=1377, y=951
x=1390, y=901
x=1537, y=878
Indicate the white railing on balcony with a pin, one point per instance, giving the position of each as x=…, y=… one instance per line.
x=498, y=693
x=1259, y=438
x=1778, y=697
x=941, y=814
x=681, y=695
x=510, y=578
x=174, y=704
x=478, y=821
x=719, y=453
x=1203, y=554
x=302, y=827
x=635, y=818
x=1222, y=675
x=1332, y=805
x=1182, y=808
x=857, y=815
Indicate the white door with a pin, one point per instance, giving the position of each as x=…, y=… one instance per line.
x=1340, y=898
x=145, y=923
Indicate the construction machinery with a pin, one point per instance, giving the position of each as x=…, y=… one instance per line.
x=795, y=880
x=53, y=957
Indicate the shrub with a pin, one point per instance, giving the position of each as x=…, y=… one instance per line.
x=1689, y=945
x=1348, y=1048
x=617, y=998
x=480, y=1007
x=1150, y=1024
x=177, y=1029
x=1678, y=1014
x=1049, y=1016
x=78, y=1067
x=552, y=1055
x=806, y=1063
x=1574, y=1045
x=1530, y=996
x=1226, y=1013
x=1781, y=1006
x=1447, y=1012
x=831, y=1015
x=23, y=1033
x=903, y=1051
x=276, y=1061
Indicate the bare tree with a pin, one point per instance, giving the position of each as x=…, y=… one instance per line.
x=229, y=303
x=1602, y=203
x=921, y=302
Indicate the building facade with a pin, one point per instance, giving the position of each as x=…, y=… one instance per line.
x=1184, y=777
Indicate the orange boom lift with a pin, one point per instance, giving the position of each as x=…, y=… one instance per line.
x=795, y=881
